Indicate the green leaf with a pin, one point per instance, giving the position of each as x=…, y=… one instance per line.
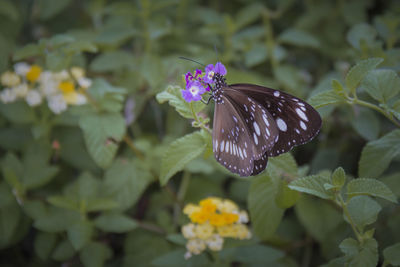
x=125, y=182
x=313, y=185
x=371, y=187
x=63, y=251
x=286, y=197
x=382, y=85
x=360, y=255
x=282, y=165
x=337, y=87
x=376, y=155
x=101, y=204
x=115, y=35
x=174, y=97
x=177, y=239
x=264, y=212
x=357, y=73
x=65, y=202
x=113, y=61
x=115, y=222
x=366, y=123
x=326, y=98
x=253, y=254
x=102, y=133
x=10, y=216
x=29, y=50
x=57, y=60
x=108, y=98
x=48, y=8
x=56, y=220
x=176, y=258
x=179, y=153
x=80, y=46
x=339, y=177
x=299, y=38
x=80, y=233
x=392, y=254
x=95, y=254
x=18, y=112
x=44, y=244
x=361, y=32
x=9, y=10
x=363, y=210
x=319, y=217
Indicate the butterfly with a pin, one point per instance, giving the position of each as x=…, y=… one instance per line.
x=252, y=122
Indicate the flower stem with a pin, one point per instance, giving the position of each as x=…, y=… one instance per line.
x=129, y=142
x=355, y=100
x=347, y=214
x=196, y=118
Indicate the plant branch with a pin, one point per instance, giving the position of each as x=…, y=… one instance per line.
x=347, y=213
x=196, y=118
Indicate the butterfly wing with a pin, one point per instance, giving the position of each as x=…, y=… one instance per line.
x=297, y=121
x=251, y=125
x=232, y=145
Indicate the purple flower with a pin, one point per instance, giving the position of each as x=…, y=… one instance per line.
x=193, y=92
x=211, y=70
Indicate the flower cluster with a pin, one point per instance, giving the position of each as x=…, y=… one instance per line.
x=200, y=82
x=211, y=221
x=31, y=83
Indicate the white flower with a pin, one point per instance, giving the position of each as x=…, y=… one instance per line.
x=48, y=84
x=33, y=98
x=188, y=255
x=188, y=231
x=243, y=217
x=57, y=103
x=77, y=72
x=10, y=79
x=80, y=99
x=22, y=68
x=62, y=75
x=7, y=95
x=196, y=246
x=21, y=90
x=84, y=82
x=215, y=242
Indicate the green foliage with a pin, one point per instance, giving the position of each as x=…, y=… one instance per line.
x=104, y=183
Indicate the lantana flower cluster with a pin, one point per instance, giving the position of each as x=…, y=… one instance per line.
x=35, y=86
x=200, y=82
x=211, y=221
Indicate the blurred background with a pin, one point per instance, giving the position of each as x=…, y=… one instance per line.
x=291, y=45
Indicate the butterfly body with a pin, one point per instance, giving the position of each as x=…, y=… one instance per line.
x=252, y=123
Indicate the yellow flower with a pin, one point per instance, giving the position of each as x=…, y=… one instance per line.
x=199, y=216
x=208, y=205
x=204, y=231
x=190, y=208
x=34, y=73
x=242, y=232
x=228, y=206
x=66, y=87
x=10, y=79
x=228, y=231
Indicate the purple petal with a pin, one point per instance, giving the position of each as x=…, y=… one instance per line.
x=186, y=95
x=210, y=67
x=196, y=98
x=220, y=68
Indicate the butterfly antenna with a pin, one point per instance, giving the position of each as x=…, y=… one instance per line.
x=189, y=59
x=216, y=51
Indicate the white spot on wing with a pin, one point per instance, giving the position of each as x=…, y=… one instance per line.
x=227, y=147
x=301, y=114
x=303, y=125
x=256, y=128
x=255, y=138
x=265, y=119
x=276, y=93
x=281, y=124
x=222, y=146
